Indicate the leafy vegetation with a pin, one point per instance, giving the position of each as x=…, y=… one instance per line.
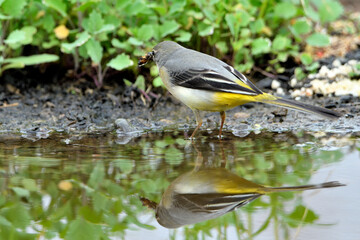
x=53, y=191
x=112, y=34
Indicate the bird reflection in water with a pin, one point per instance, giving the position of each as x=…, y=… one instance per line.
x=207, y=193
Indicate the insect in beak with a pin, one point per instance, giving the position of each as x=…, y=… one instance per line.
x=145, y=59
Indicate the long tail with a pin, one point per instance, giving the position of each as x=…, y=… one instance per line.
x=299, y=106
x=303, y=187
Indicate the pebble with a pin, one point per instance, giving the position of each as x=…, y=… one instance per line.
x=275, y=84
x=123, y=124
x=280, y=91
x=293, y=82
x=336, y=63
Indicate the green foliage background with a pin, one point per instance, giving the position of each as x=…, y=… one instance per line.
x=114, y=33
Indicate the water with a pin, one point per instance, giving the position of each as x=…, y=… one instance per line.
x=88, y=187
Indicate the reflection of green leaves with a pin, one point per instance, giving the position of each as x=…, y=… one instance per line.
x=173, y=156
x=80, y=229
x=301, y=215
x=17, y=214
x=97, y=175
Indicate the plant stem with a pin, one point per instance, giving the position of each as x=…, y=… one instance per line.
x=263, y=8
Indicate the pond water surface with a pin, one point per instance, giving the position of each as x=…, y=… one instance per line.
x=89, y=186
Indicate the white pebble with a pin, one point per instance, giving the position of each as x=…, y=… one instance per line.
x=280, y=91
x=323, y=71
x=332, y=74
x=275, y=84
x=293, y=82
x=336, y=63
x=345, y=69
x=352, y=62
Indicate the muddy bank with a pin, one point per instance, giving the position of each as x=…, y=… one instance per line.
x=34, y=108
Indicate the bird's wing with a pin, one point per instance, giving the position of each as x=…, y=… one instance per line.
x=214, y=202
x=212, y=80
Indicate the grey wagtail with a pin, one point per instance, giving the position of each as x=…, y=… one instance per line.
x=210, y=193
x=205, y=83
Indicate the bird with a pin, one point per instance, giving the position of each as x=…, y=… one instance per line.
x=209, y=193
x=205, y=83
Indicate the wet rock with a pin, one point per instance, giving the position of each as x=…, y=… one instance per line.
x=264, y=83
x=123, y=125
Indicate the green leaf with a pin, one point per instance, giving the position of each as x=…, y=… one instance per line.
x=126, y=166
x=157, y=82
x=140, y=82
x=285, y=10
x=145, y=32
x=245, y=18
x=306, y=58
x=205, y=29
x=17, y=214
x=173, y=156
x=21, y=192
x=11, y=65
x=97, y=175
x=95, y=50
x=121, y=62
x=4, y=17
x=94, y=22
x=297, y=216
x=29, y=184
x=330, y=10
x=81, y=229
x=183, y=36
x=13, y=7
x=177, y=6
x=257, y=25
x=16, y=36
x=168, y=27
x=281, y=43
x=106, y=28
x=135, y=42
x=34, y=59
x=260, y=45
x=318, y=40
x=302, y=26
x=58, y=5
x=231, y=22
x=82, y=38
x=99, y=201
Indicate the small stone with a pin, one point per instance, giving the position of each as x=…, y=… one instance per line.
x=241, y=115
x=352, y=62
x=280, y=91
x=309, y=92
x=323, y=71
x=275, y=84
x=331, y=74
x=293, y=82
x=345, y=69
x=123, y=124
x=336, y=63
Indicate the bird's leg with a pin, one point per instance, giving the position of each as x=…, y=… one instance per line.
x=222, y=115
x=198, y=121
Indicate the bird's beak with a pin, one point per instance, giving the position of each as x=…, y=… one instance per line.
x=145, y=59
